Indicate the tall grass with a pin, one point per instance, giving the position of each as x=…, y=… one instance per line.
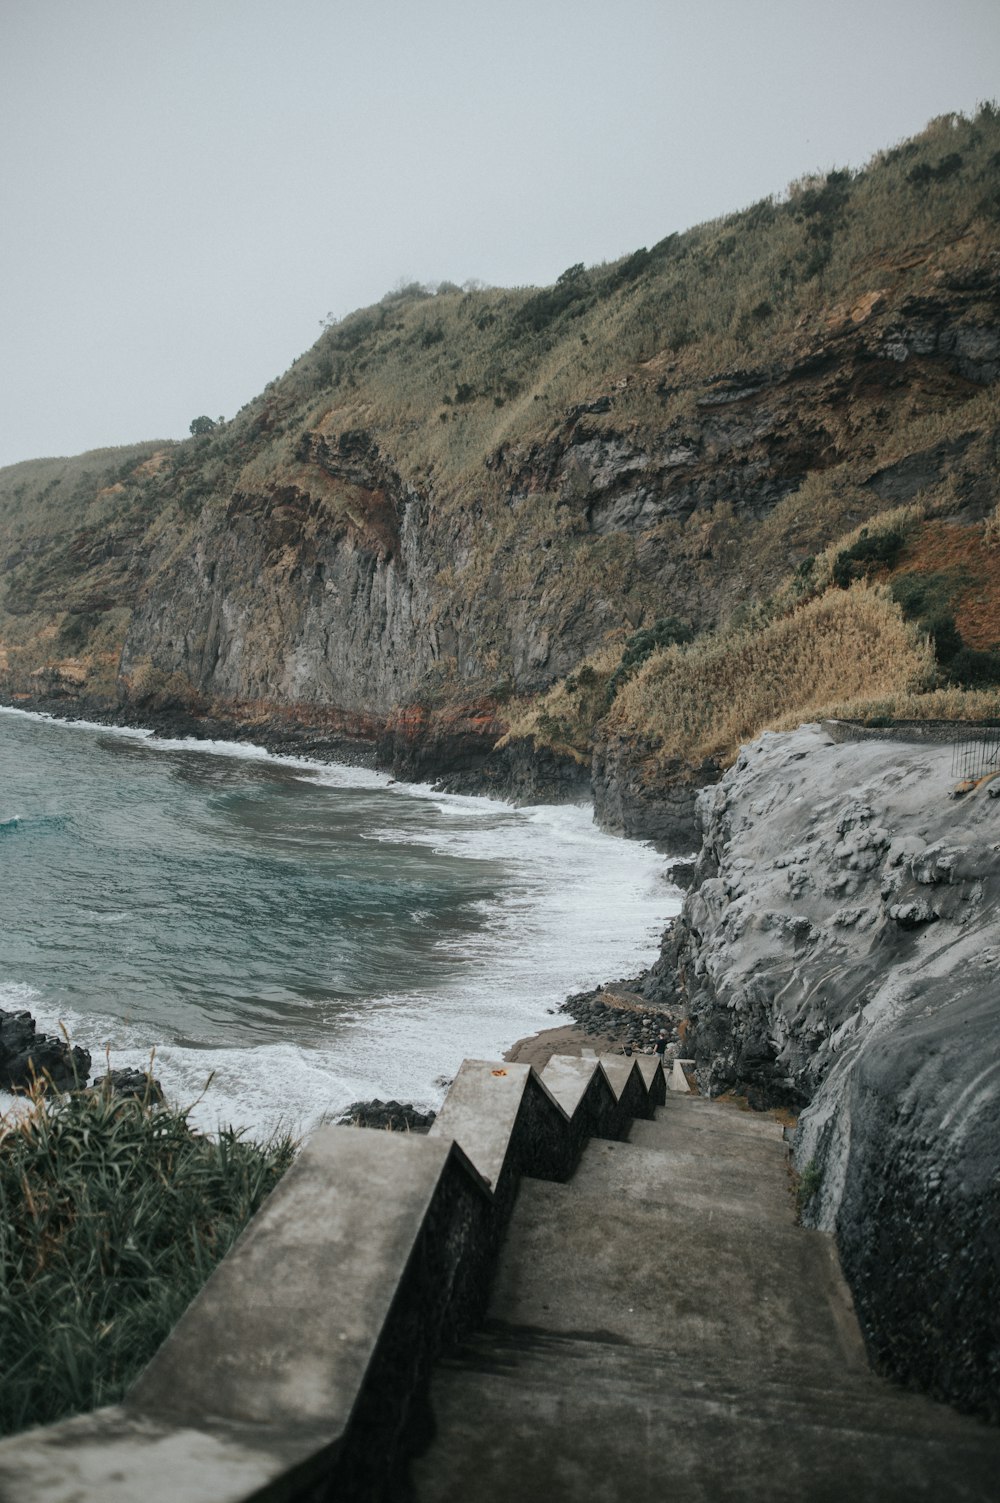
x=112, y=1215
x=846, y=647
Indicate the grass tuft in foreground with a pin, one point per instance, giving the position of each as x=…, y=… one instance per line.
x=112, y=1215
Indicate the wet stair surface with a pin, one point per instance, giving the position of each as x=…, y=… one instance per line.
x=660, y=1326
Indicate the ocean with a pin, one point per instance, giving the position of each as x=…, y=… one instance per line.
x=284, y=937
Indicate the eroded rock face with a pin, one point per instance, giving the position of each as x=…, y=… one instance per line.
x=28, y=1058
x=638, y=794
x=841, y=955
x=299, y=592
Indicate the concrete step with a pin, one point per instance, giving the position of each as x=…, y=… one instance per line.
x=712, y=1142
x=568, y=1079
x=679, y=1180
x=659, y=1325
x=647, y=1274
x=703, y=1110
x=543, y=1419
x=697, y=1163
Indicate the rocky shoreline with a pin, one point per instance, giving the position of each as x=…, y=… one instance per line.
x=454, y=751
x=836, y=956
x=30, y=1061
x=389, y=1116
x=624, y=1015
x=27, y=1056
x=630, y=1021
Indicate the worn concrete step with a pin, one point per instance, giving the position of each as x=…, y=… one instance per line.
x=679, y=1180
x=543, y=1419
x=703, y=1110
x=642, y=1273
x=694, y=1163
x=714, y=1143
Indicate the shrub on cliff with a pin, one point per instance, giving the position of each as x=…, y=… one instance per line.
x=871, y=551
x=669, y=631
x=112, y=1215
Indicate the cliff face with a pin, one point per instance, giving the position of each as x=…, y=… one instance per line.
x=840, y=955
x=311, y=587
x=455, y=501
x=337, y=581
x=333, y=584
x=451, y=500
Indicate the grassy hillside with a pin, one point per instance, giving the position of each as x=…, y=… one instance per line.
x=72, y=535
x=449, y=378
x=899, y=619
x=696, y=431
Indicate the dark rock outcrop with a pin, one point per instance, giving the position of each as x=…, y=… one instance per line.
x=28, y=1057
x=631, y=1011
x=527, y=773
x=390, y=1116
x=636, y=794
x=129, y=1085
x=840, y=955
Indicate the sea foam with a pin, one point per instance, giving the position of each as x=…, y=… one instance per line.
x=575, y=907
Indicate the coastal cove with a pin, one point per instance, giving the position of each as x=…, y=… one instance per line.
x=500, y=835
x=308, y=934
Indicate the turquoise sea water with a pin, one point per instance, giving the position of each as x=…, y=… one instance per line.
x=309, y=935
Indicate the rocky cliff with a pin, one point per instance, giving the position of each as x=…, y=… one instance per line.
x=451, y=500
x=448, y=534
x=840, y=954
x=337, y=582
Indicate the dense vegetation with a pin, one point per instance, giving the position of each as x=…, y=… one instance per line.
x=112, y=1215
x=833, y=641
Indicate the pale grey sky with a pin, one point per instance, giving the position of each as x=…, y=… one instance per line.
x=188, y=186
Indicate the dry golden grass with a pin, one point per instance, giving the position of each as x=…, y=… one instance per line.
x=936, y=704
x=845, y=647
x=991, y=531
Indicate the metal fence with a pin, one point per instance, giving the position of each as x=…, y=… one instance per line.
x=976, y=754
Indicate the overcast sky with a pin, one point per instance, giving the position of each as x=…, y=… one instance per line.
x=189, y=186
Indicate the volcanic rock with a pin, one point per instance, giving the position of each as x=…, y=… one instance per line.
x=840, y=955
x=27, y=1057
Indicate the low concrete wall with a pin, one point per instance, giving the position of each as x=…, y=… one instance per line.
x=299, y=1372
x=909, y=730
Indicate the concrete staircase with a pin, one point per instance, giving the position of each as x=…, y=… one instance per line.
x=659, y=1326
x=577, y=1286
